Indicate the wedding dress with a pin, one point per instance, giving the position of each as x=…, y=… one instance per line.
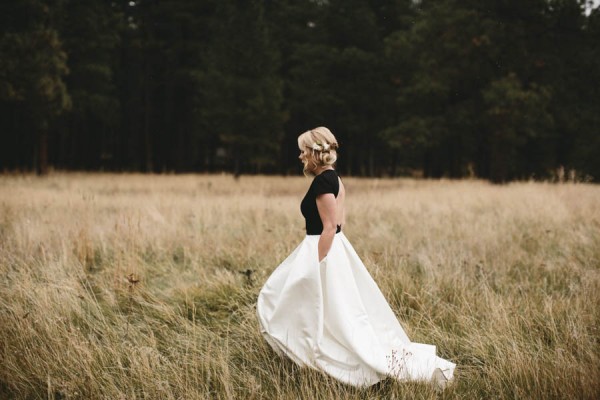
x=332, y=316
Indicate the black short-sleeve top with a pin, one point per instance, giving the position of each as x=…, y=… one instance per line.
x=325, y=182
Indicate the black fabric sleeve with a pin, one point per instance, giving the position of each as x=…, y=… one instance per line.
x=323, y=185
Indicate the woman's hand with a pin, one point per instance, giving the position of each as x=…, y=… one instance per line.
x=327, y=207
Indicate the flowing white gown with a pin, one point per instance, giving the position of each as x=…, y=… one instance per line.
x=332, y=316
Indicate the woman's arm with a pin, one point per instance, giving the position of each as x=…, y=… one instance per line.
x=326, y=205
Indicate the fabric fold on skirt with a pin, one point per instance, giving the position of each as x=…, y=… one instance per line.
x=332, y=316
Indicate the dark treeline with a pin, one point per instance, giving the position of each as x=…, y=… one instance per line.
x=497, y=89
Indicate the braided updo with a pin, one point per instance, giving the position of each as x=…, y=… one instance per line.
x=320, y=146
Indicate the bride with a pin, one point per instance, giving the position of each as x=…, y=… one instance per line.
x=321, y=307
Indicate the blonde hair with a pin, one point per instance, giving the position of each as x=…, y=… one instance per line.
x=321, y=137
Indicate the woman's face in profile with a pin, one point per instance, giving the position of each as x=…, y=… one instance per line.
x=303, y=155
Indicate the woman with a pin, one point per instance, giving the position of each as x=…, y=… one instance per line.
x=321, y=308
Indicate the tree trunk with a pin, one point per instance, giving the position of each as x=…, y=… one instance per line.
x=147, y=138
x=42, y=152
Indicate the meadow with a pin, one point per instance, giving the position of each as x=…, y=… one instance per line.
x=130, y=286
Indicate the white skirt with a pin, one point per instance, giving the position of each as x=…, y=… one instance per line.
x=331, y=316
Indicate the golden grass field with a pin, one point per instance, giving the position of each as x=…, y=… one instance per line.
x=144, y=286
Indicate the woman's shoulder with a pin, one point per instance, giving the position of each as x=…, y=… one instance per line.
x=325, y=182
x=329, y=175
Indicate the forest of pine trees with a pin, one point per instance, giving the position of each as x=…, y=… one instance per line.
x=497, y=89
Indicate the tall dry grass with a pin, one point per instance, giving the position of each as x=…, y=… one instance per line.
x=135, y=286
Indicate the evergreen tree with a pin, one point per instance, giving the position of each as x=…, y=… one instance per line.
x=338, y=79
x=242, y=93
x=514, y=115
x=91, y=34
x=32, y=88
